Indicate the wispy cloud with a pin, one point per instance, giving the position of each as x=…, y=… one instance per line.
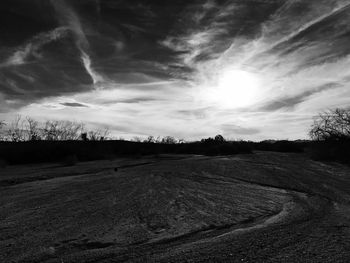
x=33, y=46
x=69, y=18
x=198, y=42
x=234, y=130
x=96, y=77
x=290, y=102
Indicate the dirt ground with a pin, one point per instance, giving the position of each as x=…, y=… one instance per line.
x=261, y=207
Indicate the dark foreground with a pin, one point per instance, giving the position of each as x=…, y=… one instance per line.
x=264, y=207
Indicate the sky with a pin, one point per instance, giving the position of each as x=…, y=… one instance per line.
x=246, y=69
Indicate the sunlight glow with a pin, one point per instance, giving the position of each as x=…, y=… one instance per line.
x=235, y=88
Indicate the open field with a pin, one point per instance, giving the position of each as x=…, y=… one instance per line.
x=261, y=207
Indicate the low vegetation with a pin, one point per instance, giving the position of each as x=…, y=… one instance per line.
x=26, y=140
x=28, y=129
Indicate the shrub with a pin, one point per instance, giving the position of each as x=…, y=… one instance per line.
x=281, y=146
x=337, y=151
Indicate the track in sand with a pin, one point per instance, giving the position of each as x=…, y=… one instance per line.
x=265, y=207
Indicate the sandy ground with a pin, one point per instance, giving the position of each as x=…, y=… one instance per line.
x=264, y=207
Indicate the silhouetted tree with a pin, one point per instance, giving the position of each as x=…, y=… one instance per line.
x=331, y=125
x=207, y=140
x=62, y=130
x=33, y=129
x=16, y=131
x=219, y=138
x=2, y=135
x=84, y=136
x=98, y=135
x=150, y=139
x=181, y=141
x=168, y=140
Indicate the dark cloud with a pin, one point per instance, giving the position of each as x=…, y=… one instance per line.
x=21, y=20
x=135, y=100
x=200, y=113
x=74, y=104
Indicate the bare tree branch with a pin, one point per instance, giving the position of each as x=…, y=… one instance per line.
x=331, y=125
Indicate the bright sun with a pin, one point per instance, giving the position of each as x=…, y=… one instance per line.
x=235, y=88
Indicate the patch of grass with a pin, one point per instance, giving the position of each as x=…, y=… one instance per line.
x=70, y=160
x=3, y=164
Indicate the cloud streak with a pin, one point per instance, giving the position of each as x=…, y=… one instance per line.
x=69, y=18
x=74, y=104
x=33, y=46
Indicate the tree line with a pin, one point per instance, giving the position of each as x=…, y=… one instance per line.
x=330, y=125
x=52, y=141
x=22, y=129
x=28, y=129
